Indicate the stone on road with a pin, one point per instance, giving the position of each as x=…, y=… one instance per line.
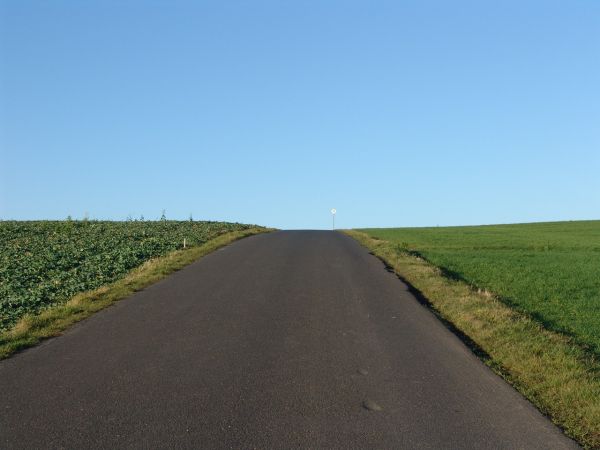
x=295, y=339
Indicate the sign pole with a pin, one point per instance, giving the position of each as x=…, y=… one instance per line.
x=333, y=211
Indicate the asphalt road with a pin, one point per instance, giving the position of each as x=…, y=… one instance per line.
x=296, y=339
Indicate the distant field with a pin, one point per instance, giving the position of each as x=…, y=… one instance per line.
x=551, y=271
x=43, y=263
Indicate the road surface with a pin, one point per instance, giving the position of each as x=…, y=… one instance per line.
x=295, y=339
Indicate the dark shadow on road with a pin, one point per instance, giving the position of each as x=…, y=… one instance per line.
x=473, y=346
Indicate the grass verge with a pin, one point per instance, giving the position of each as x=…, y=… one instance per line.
x=31, y=329
x=548, y=368
x=549, y=271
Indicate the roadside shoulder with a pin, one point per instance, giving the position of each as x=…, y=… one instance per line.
x=31, y=329
x=548, y=368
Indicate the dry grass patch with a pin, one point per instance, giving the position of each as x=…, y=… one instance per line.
x=31, y=329
x=548, y=368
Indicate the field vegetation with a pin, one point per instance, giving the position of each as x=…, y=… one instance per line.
x=45, y=263
x=525, y=298
x=550, y=271
x=52, y=321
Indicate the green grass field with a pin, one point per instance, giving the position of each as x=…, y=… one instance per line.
x=45, y=263
x=551, y=271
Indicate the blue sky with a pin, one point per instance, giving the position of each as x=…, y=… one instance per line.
x=396, y=113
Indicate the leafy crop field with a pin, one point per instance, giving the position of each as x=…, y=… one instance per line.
x=43, y=263
x=551, y=271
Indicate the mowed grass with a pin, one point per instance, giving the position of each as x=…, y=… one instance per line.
x=550, y=368
x=549, y=271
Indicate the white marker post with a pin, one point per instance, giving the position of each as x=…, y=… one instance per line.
x=333, y=211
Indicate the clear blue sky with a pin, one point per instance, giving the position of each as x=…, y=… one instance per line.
x=399, y=113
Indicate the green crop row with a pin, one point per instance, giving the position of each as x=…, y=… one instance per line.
x=43, y=263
